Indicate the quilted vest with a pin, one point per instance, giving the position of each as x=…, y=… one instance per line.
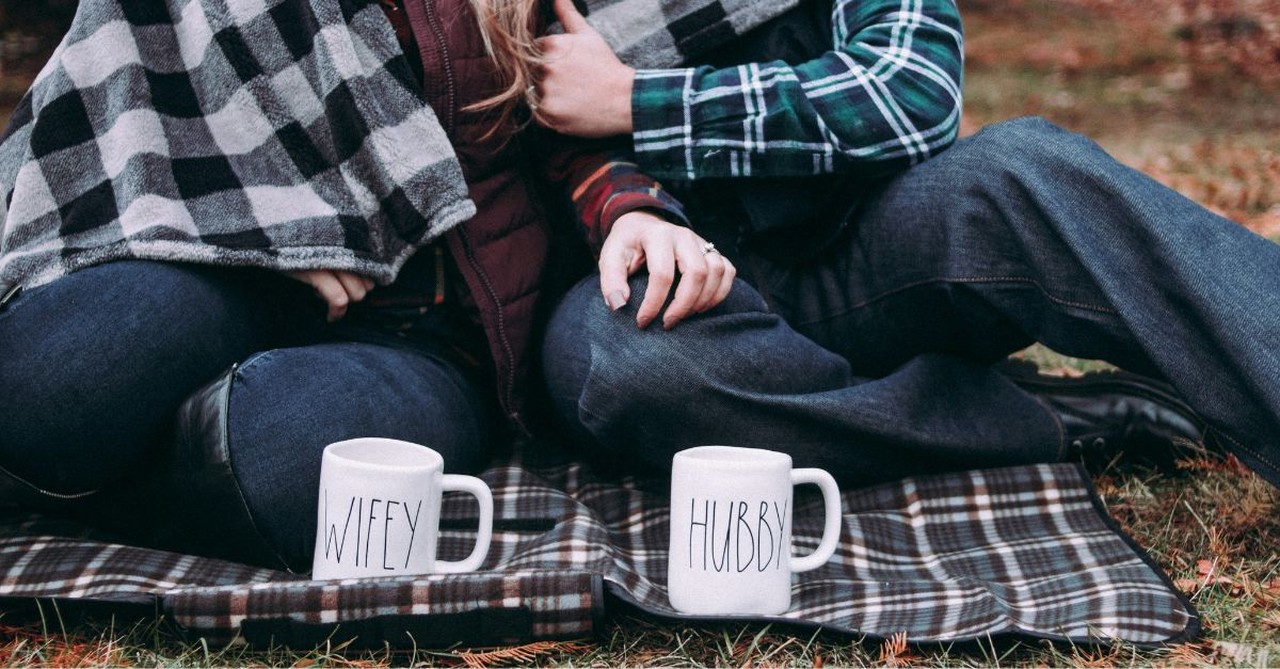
x=502, y=252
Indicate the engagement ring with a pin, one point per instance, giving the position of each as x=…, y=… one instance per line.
x=709, y=248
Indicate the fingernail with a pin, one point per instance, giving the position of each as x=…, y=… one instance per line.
x=616, y=300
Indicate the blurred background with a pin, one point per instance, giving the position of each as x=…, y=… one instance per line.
x=1186, y=90
x=29, y=31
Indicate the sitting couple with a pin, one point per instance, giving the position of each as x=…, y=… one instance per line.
x=234, y=236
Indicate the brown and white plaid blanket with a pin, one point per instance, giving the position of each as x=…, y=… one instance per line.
x=1025, y=550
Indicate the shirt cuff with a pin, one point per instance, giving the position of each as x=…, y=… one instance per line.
x=656, y=201
x=662, y=129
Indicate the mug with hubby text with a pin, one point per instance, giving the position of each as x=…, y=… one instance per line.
x=379, y=511
x=731, y=518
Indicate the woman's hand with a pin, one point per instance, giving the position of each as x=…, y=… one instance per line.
x=641, y=238
x=338, y=288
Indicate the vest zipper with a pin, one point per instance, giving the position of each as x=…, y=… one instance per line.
x=446, y=115
x=446, y=64
x=509, y=382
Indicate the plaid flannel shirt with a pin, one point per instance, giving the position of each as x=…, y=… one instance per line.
x=887, y=96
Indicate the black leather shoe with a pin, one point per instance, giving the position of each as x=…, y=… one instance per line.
x=1115, y=416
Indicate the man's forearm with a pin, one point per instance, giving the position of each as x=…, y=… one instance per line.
x=885, y=96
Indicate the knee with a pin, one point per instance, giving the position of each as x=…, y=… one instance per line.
x=1022, y=133
x=607, y=376
x=1020, y=147
x=284, y=406
x=589, y=344
x=103, y=357
x=308, y=397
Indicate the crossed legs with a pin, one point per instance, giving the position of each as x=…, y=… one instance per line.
x=871, y=360
x=98, y=363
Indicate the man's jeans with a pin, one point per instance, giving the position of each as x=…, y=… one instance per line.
x=872, y=360
x=96, y=364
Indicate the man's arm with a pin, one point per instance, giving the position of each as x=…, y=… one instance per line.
x=885, y=97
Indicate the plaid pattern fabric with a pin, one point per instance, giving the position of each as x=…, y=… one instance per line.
x=285, y=134
x=663, y=33
x=944, y=558
x=886, y=97
x=557, y=604
x=42, y=557
x=607, y=189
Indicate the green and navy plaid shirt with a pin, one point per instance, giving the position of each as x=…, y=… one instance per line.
x=885, y=97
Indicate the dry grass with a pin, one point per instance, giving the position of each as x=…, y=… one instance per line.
x=1159, y=86
x=1149, y=82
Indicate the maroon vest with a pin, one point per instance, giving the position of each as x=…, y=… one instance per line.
x=501, y=252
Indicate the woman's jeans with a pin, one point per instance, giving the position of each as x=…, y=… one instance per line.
x=96, y=365
x=872, y=360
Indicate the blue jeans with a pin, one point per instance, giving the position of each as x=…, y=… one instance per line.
x=871, y=359
x=96, y=364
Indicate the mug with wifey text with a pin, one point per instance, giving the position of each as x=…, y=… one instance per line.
x=731, y=518
x=379, y=511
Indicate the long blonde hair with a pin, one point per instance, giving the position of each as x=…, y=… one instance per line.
x=508, y=28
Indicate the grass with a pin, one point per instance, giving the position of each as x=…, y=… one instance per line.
x=1126, y=80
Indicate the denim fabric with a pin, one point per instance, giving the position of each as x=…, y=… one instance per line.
x=96, y=364
x=340, y=390
x=870, y=360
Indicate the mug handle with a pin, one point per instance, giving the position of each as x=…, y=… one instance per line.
x=484, y=533
x=831, y=529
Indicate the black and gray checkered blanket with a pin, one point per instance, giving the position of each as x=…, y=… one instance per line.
x=284, y=134
x=665, y=33
x=1025, y=550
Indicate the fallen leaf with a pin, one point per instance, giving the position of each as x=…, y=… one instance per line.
x=1249, y=656
x=1188, y=586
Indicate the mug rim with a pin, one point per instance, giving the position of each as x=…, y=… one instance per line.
x=348, y=450
x=734, y=456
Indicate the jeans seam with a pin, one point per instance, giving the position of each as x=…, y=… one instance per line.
x=239, y=369
x=237, y=374
x=1246, y=449
x=977, y=279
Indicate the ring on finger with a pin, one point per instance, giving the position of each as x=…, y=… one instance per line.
x=709, y=248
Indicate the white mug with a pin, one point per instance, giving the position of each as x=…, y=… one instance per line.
x=731, y=510
x=379, y=511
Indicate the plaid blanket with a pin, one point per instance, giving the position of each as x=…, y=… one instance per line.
x=689, y=29
x=285, y=134
x=1024, y=550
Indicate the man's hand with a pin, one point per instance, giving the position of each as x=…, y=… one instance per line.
x=639, y=238
x=583, y=89
x=338, y=288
